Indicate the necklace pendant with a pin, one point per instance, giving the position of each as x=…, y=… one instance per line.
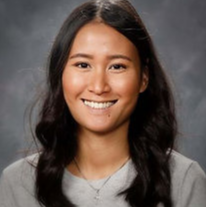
x=97, y=197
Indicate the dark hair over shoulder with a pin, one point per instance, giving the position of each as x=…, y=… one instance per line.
x=152, y=126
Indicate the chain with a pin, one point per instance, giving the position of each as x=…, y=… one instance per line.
x=97, y=190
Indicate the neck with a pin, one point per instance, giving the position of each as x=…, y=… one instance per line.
x=101, y=155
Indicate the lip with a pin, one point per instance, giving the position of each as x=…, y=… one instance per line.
x=100, y=101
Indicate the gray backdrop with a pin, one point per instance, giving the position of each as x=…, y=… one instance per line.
x=28, y=29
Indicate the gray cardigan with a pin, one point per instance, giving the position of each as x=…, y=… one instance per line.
x=17, y=185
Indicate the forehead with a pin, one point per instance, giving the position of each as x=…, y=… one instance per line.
x=99, y=37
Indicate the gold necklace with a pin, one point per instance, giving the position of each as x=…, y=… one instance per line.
x=97, y=196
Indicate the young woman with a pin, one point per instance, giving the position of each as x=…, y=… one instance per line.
x=107, y=125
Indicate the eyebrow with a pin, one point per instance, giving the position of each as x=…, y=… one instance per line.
x=111, y=57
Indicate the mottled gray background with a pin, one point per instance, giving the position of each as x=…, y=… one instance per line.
x=28, y=28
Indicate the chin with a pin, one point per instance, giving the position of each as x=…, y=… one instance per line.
x=99, y=129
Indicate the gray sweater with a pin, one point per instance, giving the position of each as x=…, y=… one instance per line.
x=17, y=185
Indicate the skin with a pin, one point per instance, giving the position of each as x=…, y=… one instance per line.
x=103, y=66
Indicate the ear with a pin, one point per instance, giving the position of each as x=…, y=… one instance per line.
x=144, y=80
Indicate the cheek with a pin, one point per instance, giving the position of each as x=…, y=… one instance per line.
x=72, y=84
x=127, y=86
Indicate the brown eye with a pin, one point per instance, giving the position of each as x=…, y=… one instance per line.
x=82, y=65
x=118, y=67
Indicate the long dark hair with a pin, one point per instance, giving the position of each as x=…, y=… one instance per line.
x=152, y=127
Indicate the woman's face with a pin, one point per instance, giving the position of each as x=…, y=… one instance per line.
x=102, y=79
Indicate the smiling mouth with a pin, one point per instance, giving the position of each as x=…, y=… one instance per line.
x=99, y=105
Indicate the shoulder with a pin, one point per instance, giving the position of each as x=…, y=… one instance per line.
x=17, y=183
x=20, y=173
x=181, y=165
x=24, y=165
x=188, y=181
x=180, y=162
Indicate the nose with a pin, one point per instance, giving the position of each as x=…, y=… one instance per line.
x=98, y=83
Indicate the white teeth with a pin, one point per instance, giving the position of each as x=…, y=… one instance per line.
x=97, y=105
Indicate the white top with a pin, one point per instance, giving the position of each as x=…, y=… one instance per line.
x=17, y=185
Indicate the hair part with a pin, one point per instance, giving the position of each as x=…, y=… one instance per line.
x=152, y=127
